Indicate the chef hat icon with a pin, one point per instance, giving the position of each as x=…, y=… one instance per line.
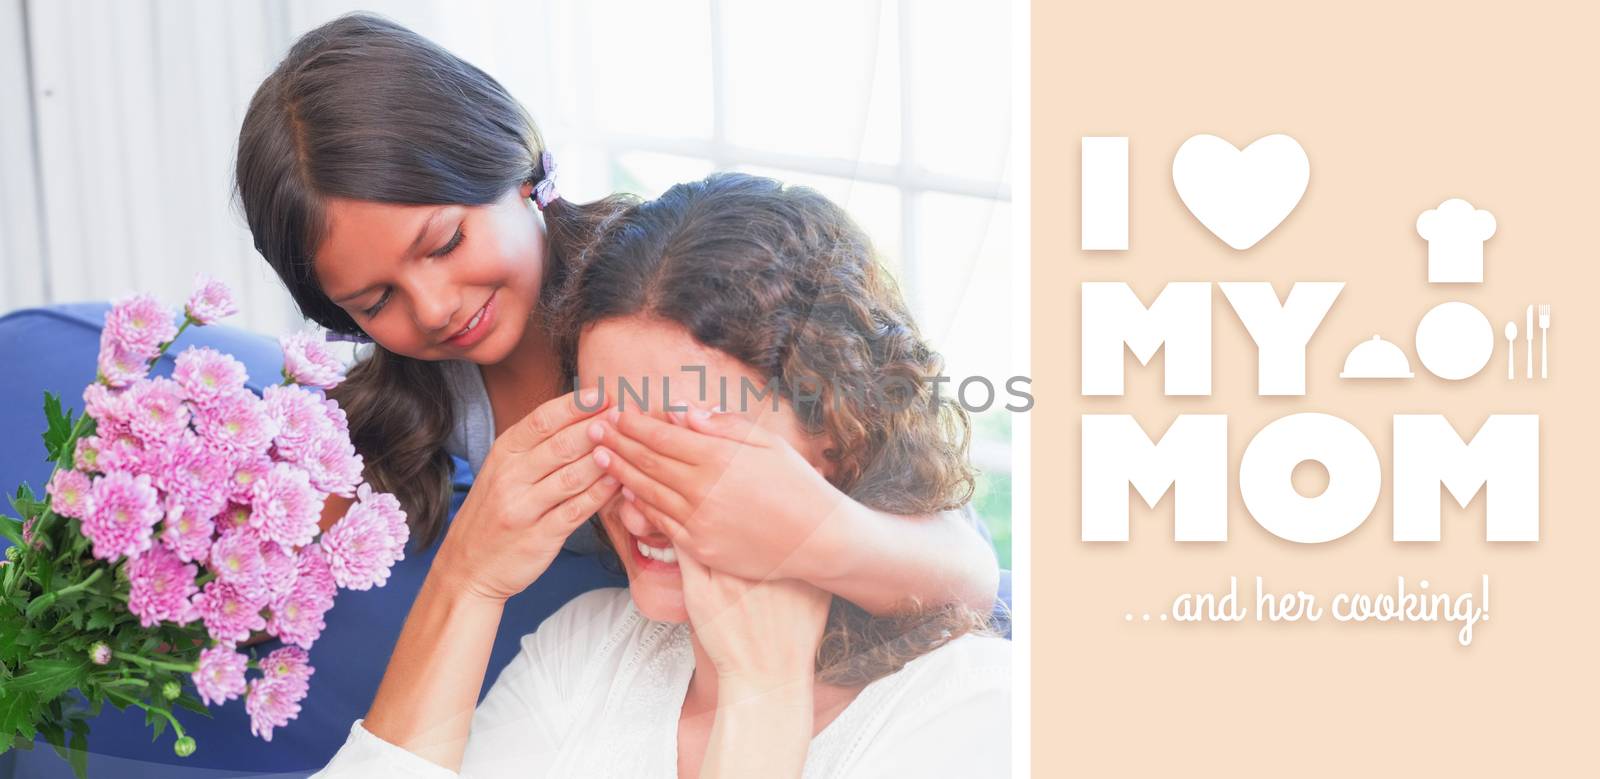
x=1455, y=232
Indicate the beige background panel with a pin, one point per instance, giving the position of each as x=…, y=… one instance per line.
x=1399, y=106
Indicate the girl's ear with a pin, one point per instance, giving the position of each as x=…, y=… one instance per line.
x=526, y=190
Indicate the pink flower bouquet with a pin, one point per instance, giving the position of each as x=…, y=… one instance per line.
x=182, y=518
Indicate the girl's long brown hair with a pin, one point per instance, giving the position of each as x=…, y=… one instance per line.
x=782, y=280
x=363, y=108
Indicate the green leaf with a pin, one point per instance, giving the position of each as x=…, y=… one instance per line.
x=55, y=736
x=78, y=756
x=73, y=617
x=18, y=710
x=156, y=723
x=119, y=699
x=58, y=430
x=193, y=704
x=49, y=678
x=25, y=503
x=11, y=528
x=103, y=618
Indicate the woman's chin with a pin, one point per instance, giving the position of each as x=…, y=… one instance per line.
x=659, y=602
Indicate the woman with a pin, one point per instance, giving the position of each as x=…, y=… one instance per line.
x=398, y=192
x=734, y=279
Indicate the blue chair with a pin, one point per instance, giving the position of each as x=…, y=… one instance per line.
x=58, y=345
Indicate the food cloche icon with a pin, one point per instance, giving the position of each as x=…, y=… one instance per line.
x=1376, y=359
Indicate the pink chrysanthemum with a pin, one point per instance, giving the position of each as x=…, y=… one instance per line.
x=159, y=588
x=71, y=494
x=235, y=515
x=206, y=374
x=187, y=533
x=228, y=613
x=86, y=457
x=220, y=676
x=140, y=324
x=125, y=508
x=300, y=417
x=315, y=573
x=285, y=507
x=236, y=560
x=108, y=409
x=236, y=423
x=336, y=415
x=272, y=702
x=210, y=301
x=290, y=664
x=370, y=538
x=123, y=453
x=279, y=570
x=119, y=365
x=195, y=474
x=307, y=360
x=298, y=618
x=333, y=464
x=156, y=411
x=241, y=482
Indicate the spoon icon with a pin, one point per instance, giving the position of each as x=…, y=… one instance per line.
x=1511, y=348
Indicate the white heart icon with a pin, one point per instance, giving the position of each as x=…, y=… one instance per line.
x=1241, y=196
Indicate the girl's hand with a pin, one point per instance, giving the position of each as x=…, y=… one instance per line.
x=537, y=485
x=731, y=494
x=762, y=637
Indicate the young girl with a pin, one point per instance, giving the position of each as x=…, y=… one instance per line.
x=735, y=279
x=397, y=191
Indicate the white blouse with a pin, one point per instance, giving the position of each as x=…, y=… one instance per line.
x=598, y=689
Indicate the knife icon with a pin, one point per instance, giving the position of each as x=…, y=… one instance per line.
x=1530, y=341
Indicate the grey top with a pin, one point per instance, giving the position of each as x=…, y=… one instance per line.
x=473, y=435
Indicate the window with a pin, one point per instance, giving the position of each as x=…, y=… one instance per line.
x=898, y=110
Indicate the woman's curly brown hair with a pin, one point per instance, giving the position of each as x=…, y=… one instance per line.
x=783, y=280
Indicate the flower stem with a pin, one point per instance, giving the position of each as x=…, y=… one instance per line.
x=81, y=585
x=162, y=349
x=161, y=664
x=176, y=728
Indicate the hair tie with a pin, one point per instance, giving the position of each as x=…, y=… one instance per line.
x=545, y=192
x=355, y=338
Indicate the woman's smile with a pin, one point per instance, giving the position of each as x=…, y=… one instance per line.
x=654, y=554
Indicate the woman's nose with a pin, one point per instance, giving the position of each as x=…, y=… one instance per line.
x=634, y=520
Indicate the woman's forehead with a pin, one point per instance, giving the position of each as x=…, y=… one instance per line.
x=643, y=349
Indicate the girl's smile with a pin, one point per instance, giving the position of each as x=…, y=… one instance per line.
x=477, y=328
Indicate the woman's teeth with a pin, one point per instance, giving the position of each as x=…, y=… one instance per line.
x=666, y=555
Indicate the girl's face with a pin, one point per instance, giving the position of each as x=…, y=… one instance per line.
x=414, y=277
x=645, y=352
